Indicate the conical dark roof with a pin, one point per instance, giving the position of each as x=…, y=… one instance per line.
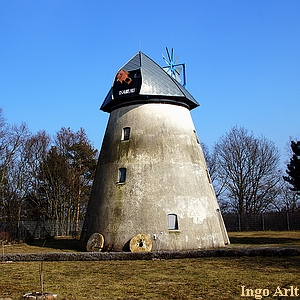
x=141, y=80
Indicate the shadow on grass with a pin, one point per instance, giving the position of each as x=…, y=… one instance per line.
x=69, y=244
x=66, y=244
x=264, y=241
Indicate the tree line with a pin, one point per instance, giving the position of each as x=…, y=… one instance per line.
x=246, y=174
x=49, y=178
x=43, y=177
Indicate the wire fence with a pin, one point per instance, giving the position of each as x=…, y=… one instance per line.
x=28, y=230
x=275, y=221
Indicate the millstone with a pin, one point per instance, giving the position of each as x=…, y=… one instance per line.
x=140, y=243
x=95, y=243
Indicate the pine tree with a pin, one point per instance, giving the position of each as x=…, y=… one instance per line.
x=293, y=168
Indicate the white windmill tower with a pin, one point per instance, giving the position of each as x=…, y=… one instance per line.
x=152, y=190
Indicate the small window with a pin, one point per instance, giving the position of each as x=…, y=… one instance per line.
x=172, y=222
x=208, y=176
x=126, y=134
x=122, y=175
x=196, y=136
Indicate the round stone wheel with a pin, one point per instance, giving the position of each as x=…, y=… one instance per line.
x=95, y=243
x=140, y=243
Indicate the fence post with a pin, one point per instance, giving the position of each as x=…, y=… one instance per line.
x=263, y=221
x=239, y=222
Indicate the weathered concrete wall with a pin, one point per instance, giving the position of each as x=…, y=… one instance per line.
x=165, y=174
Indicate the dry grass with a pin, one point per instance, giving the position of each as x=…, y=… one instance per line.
x=201, y=278
x=65, y=244
x=206, y=278
x=265, y=238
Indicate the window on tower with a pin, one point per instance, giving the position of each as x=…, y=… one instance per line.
x=172, y=222
x=126, y=134
x=196, y=136
x=208, y=176
x=122, y=175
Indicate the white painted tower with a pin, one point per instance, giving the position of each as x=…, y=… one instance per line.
x=152, y=190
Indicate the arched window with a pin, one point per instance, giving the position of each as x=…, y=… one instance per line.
x=172, y=222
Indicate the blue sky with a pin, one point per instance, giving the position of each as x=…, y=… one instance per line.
x=58, y=59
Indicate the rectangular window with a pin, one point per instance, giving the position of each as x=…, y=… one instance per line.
x=172, y=222
x=126, y=134
x=122, y=175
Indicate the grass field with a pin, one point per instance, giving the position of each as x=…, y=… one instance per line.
x=201, y=278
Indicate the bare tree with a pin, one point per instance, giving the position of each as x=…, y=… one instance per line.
x=81, y=158
x=66, y=177
x=35, y=152
x=54, y=188
x=3, y=186
x=286, y=200
x=40, y=181
x=248, y=169
x=13, y=181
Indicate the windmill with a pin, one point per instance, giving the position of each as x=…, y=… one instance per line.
x=173, y=68
x=152, y=190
